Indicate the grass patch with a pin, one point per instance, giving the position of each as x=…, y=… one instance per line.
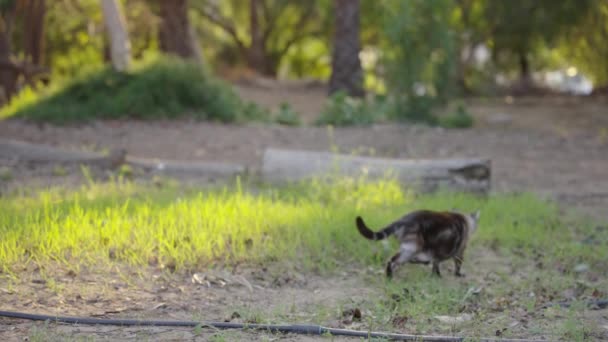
x=165, y=87
x=524, y=254
x=311, y=221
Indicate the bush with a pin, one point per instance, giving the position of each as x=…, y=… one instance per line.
x=460, y=119
x=164, y=88
x=287, y=116
x=343, y=110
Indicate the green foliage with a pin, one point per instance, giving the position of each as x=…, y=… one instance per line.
x=585, y=44
x=522, y=27
x=76, y=37
x=6, y=5
x=343, y=110
x=163, y=88
x=254, y=112
x=287, y=116
x=419, y=57
x=459, y=119
x=284, y=26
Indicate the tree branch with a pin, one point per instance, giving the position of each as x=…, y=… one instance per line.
x=299, y=32
x=212, y=13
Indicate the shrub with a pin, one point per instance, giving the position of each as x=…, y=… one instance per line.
x=343, y=110
x=460, y=119
x=287, y=115
x=164, y=88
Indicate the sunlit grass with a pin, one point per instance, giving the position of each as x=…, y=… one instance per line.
x=523, y=255
x=311, y=223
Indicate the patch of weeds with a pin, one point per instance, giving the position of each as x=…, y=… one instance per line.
x=52, y=285
x=59, y=171
x=343, y=110
x=250, y=315
x=254, y=112
x=287, y=115
x=218, y=337
x=44, y=332
x=459, y=119
x=125, y=171
x=574, y=328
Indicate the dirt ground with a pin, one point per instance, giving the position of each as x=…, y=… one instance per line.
x=555, y=146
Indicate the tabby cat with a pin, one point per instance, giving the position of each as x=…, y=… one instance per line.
x=427, y=236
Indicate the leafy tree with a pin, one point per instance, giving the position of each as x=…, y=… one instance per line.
x=519, y=28
x=473, y=30
x=419, y=56
x=262, y=33
x=585, y=44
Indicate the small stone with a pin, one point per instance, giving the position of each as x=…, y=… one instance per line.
x=580, y=268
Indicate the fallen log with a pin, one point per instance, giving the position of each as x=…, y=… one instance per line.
x=472, y=175
x=19, y=151
x=180, y=168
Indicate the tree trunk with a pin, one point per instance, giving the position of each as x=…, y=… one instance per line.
x=176, y=36
x=255, y=58
x=8, y=71
x=34, y=31
x=120, y=47
x=347, y=74
x=524, y=69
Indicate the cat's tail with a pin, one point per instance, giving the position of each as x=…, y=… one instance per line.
x=371, y=235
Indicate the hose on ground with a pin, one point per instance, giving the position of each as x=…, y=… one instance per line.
x=274, y=328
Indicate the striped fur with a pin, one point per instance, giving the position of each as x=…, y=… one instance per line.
x=426, y=236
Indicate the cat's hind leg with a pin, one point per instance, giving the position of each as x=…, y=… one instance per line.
x=407, y=250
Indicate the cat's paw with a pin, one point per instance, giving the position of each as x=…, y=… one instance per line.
x=460, y=274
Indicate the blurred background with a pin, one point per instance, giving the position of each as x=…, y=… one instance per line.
x=521, y=82
x=415, y=54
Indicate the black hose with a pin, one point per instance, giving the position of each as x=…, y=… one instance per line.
x=599, y=304
x=294, y=329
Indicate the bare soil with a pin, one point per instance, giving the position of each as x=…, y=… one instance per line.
x=556, y=146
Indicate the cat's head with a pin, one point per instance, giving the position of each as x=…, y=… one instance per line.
x=473, y=219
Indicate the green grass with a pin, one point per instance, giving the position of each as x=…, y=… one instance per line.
x=522, y=256
x=311, y=221
x=156, y=88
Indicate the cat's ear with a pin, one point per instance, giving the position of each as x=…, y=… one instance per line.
x=475, y=215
